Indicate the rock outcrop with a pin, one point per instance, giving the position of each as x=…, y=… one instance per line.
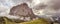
x=23, y=11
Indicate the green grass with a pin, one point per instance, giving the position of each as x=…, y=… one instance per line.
x=39, y=21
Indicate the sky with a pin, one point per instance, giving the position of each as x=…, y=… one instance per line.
x=6, y=5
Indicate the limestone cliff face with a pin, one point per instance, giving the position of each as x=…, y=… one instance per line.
x=23, y=11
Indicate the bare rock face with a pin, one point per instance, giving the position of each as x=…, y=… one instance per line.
x=23, y=11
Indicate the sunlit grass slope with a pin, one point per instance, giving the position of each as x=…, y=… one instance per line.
x=39, y=21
